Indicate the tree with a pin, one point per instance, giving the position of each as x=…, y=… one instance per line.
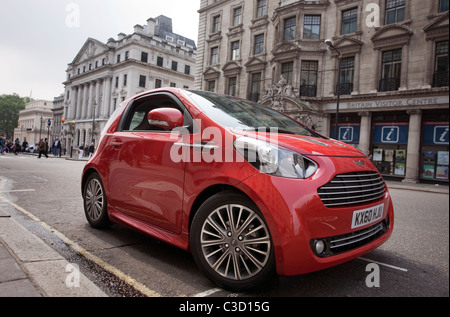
x=10, y=105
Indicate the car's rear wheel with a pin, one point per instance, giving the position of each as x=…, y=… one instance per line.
x=95, y=206
x=231, y=242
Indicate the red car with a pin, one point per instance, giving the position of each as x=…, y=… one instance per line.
x=248, y=190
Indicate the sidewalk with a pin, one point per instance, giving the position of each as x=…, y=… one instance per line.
x=30, y=268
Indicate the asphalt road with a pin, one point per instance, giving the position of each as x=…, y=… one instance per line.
x=413, y=263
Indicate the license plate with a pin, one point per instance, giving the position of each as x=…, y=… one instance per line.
x=367, y=216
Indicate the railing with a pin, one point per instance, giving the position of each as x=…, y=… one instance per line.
x=389, y=84
x=440, y=79
x=308, y=90
x=345, y=88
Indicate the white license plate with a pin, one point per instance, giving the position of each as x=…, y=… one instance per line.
x=367, y=216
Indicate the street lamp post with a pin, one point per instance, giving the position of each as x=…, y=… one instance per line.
x=338, y=88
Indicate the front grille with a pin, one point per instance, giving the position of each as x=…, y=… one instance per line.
x=352, y=189
x=346, y=242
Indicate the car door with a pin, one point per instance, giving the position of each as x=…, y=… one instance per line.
x=145, y=183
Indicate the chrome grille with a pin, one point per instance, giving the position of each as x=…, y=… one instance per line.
x=352, y=189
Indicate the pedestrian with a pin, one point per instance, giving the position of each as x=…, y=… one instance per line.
x=42, y=148
x=2, y=145
x=16, y=146
x=24, y=145
x=91, y=149
x=57, y=147
x=80, y=151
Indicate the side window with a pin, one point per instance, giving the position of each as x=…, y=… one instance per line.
x=137, y=116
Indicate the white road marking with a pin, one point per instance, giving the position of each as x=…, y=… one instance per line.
x=384, y=264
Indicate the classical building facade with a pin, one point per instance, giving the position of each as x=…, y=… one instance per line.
x=34, y=122
x=103, y=75
x=380, y=67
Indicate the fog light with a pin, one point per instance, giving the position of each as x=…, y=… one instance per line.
x=319, y=245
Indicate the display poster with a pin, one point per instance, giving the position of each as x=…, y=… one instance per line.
x=442, y=157
x=399, y=169
x=378, y=155
x=400, y=156
x=428, y=171
x=442, y=172
x=389, y=155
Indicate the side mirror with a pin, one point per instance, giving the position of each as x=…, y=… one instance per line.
x=165, y=118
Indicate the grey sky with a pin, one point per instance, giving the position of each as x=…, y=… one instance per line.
x=40, y=37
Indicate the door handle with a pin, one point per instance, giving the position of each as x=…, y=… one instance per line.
x=116, y=143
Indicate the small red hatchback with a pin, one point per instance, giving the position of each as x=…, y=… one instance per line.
x=248, y=190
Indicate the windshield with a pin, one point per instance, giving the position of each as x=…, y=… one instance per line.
x=232, y=112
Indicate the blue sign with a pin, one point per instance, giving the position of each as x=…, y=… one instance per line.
x=435, y=134
x=391, y=134
x=347, y=133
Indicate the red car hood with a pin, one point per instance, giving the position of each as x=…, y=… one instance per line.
x=306, y=145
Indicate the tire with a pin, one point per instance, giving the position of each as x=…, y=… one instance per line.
x=231, y=243
x=95, y=205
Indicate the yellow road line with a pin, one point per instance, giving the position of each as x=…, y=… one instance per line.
x=124, y=277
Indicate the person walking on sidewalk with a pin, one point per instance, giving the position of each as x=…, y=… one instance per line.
x=42, y=148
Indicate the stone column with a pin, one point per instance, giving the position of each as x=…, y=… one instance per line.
x=85, y=102
x=90, y=104
x=73, y=104
x=106, y=97
x=79, y=102
x=413, y=149
x=364, y=136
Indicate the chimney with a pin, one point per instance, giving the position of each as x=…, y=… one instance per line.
x=151, y=24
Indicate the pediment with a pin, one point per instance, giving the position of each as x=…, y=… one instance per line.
x=437, y=28
x=211, y=73
x=284, y=47
x=347, y=45
x=231, y=68
x=256, y=62
x=391, y=35
x=91, y=48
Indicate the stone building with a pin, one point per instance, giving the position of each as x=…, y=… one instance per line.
x=33, y=122
x=101, y=75
x=383, y=74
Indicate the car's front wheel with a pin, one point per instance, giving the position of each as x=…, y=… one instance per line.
x=95, y=207
x=231, y=242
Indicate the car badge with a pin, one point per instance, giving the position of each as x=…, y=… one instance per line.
x=360, y=163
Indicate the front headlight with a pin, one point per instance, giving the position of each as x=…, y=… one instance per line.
x=274, y=160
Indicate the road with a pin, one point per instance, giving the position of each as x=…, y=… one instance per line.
x=44, y=196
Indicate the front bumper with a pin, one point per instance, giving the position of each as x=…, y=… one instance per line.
x=297, y=218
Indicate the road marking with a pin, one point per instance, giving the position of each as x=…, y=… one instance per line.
x=208, y=292
x=384, y=264
x=126, y=278
x=17, y=190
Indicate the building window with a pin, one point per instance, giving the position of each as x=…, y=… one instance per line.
x=142, y=80
x=311, y=27
x=395, y=11
x=125, y=80
x=261, y=10
x=96, y=64
x=232, y=84
x=212, y=85
x=118, y=58
x=441, y=71
x=349, y=21
x=187, y=69
x=116, y=85
x=216, y=24
x=159, y=61
x=158, y=83
x=346, y=73
x=287, y=70
x=144, y=57
x=289, y=29
x=443, y=5
x=258, y=46
x=103, y=61
x=308, y=78
x=173, y=85
x=391, y=70
x=214, y=56
x=174, y=65
x=235, y=47
x=237, y=16
x=255, y=88
x=127, y=55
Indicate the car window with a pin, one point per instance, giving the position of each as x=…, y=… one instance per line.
x=136, y=117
